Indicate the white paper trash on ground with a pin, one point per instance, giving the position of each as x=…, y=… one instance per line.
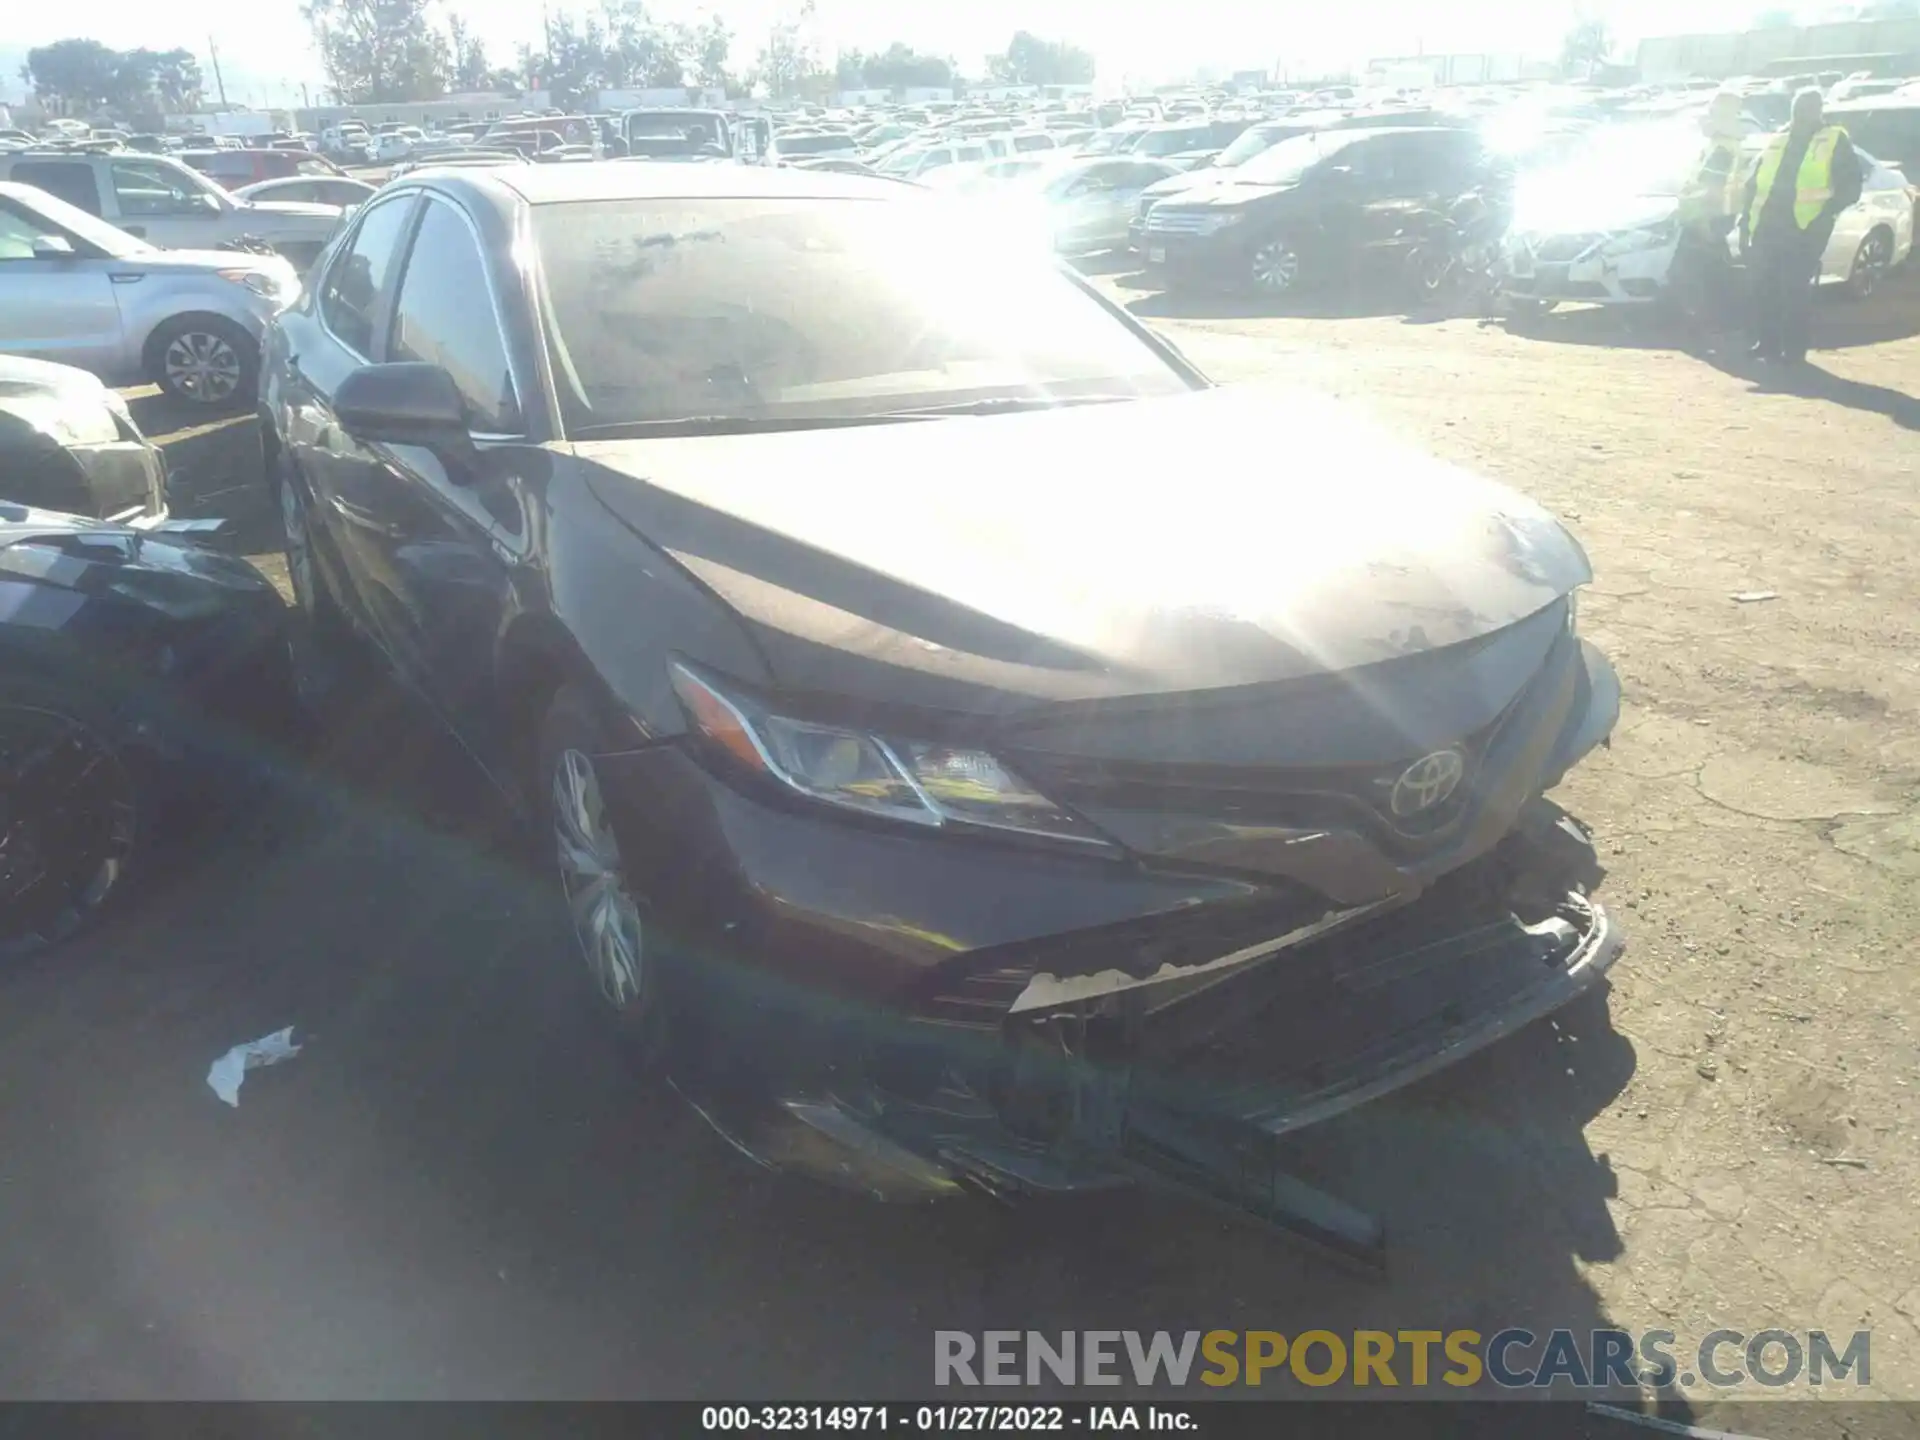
x=231, y=1068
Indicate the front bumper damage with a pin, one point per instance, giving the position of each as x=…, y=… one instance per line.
x=1189, y=1083
x=915, y=1016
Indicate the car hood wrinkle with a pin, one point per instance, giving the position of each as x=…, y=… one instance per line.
x=1599, y=214
x=1227, y=537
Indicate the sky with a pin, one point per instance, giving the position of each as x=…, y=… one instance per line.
x=266, y=53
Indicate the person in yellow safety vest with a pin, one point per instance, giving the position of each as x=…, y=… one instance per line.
x=1806, y=176
x=1702, y=275
x=1711, y=197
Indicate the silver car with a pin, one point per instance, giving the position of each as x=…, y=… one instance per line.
x=75, y=290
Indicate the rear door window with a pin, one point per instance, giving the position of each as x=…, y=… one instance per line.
x=64, y=179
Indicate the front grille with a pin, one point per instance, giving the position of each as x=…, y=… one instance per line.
x=1329, y=796
x=1180, y=222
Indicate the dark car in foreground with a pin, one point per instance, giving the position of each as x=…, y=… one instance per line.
x=952, y=783
x=69, y=443
x=141, y=673
x=1328, y=206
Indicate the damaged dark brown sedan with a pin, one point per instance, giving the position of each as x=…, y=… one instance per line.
x=978, y=752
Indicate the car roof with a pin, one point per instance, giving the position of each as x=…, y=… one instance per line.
x=1874, y=102
x=641, y=180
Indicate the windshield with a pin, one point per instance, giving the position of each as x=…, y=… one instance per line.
x=110, y=240
x=815, y=144
x=1112, y=142
x=1170, y=142
x=752, y=309
x=1253, y=142
x=1286, y=162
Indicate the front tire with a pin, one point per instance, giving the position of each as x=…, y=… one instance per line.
x=73, y=816
x=612, y=924
x=204, y=361
x=1273, y=269
x=1870, y=264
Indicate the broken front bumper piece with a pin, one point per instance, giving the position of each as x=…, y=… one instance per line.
x=1189, y=1082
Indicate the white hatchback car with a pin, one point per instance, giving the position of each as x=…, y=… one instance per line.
x=1604, y=230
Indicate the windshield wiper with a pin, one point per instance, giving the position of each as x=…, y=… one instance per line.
x=1004, y=404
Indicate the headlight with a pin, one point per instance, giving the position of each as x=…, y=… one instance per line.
x=914, y=781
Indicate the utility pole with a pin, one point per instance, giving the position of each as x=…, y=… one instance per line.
x=213, y=54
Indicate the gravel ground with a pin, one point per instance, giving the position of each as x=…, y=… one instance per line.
x=449, y=1194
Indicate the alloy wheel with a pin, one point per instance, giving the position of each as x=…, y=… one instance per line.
x=1871, y=263
x=67, y=824
x=202, y=366
x=1275, y=267
x=606, y=920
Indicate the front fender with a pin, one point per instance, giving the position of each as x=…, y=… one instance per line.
x=147, y=304
x=628, y=609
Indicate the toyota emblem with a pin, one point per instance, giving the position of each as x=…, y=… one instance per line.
x=1427, y=782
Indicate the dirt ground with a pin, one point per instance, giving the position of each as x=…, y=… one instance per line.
x=449, y=1194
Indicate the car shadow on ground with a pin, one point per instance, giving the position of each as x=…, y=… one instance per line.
x=1839, y=321
x=458, y=1188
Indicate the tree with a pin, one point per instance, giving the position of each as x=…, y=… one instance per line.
x=86, y=76
x=1585, y=48
x=380, y=50
x=895, y=68
x=711, y=43
x=1029, y=60
x=789, y=65
x=467, y=58
x=73, y=75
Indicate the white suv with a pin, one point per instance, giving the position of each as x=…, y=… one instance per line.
x=158, y=199
x=77, y=291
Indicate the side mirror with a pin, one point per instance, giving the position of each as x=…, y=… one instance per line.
x=206, y=202
x=52, y=247
x=404, y=403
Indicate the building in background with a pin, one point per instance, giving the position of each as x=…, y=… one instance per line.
x=1416, y=72
x=1888, y=47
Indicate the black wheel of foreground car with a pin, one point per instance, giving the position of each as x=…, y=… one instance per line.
x=1274, y=267
x=610, y=920
x=1870, y=264
x=72, y=817
x=204, y=361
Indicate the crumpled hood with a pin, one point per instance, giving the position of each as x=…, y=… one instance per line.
x=1590, y=214
x=1226, y=537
